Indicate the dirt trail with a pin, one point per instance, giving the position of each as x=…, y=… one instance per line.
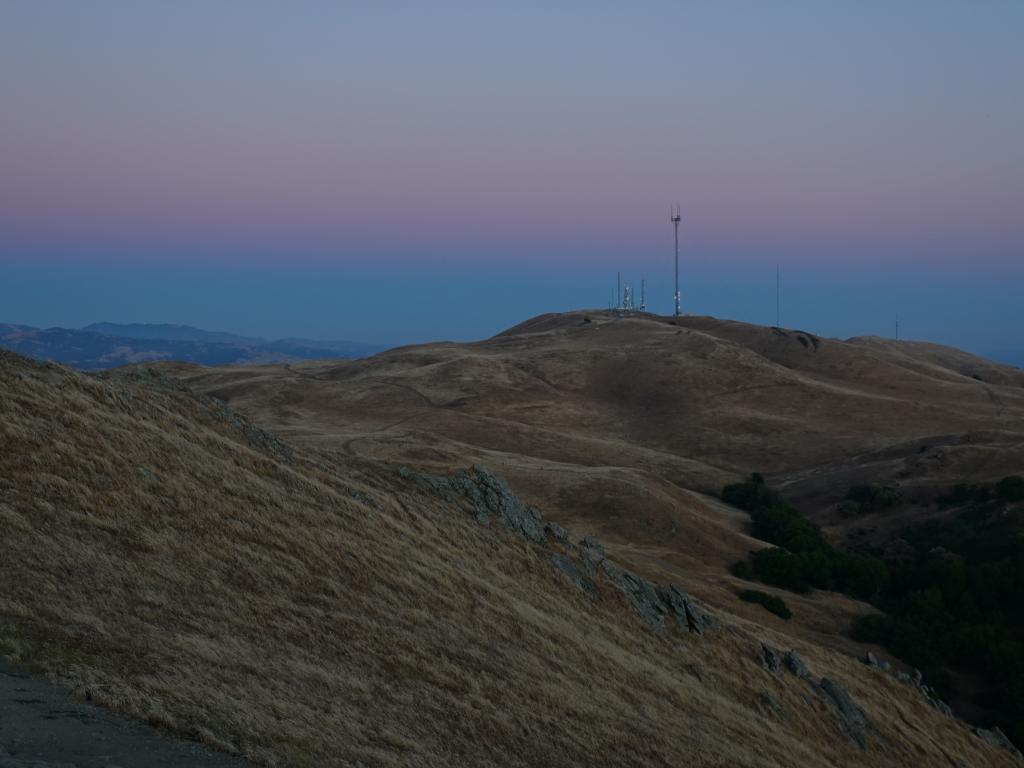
x=41, y=726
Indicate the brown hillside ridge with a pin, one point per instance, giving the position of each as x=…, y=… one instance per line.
x=329, y=569
x=622, y=427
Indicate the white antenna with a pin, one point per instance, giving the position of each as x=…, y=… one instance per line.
x=618, y=290
x=676, y=217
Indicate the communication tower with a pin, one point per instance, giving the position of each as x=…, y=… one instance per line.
x=676, y=218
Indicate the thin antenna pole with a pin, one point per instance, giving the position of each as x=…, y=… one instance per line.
x=778, y=294
x=618, y=289
x=897, y=326
x=676, y=216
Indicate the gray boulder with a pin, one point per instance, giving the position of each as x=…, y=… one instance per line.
x=642, y=595
x=592, y=553
x=771, y=659
x=852, y=720
x=796, y=665
x=575, y=575
x=940, y=705
x=696, y=618
x=557, y=532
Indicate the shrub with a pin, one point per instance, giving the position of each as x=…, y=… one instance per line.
x=870, y=498
x=780, y=568
x=1011, y=488
x=873, y=628
x=741, y=569
x=861, y=576
x=963, y=493
x=771, y=603
x=750, y=495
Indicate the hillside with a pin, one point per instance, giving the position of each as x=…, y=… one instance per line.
x=168, y=558
x=628, y=428
x=617, y=422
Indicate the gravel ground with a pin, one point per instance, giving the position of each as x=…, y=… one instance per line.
x=41, y=726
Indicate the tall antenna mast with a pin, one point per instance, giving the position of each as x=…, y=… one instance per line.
x=618, y=289
x=897, y=326
x=643, y=295
x=676, y=217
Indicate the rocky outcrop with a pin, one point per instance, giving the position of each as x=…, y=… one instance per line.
x=489, y=496
x=641, y=594
x=592, y=553
x=557, y=532
x=914, y=680
x=852, y=720
x=659, y=606
x=997, y=738
x=575, y=575
x=771, y=659
x=872, y=661
x=796, y=665
x=700, y=620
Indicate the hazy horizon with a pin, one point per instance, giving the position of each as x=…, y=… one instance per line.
x=397, y=174
x=975, y=311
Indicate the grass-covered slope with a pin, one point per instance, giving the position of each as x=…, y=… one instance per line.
x=166, y=558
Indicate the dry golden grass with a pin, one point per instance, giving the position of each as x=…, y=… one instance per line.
x=166, y=560
x=611, y=425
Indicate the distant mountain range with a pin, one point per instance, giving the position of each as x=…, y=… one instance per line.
x=108, y=345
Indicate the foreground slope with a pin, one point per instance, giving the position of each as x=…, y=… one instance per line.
x=167, y=558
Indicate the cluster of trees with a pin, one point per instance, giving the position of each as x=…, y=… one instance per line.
x=866, y=499
x=802, y=559
x=954, y=604
x=771, y=603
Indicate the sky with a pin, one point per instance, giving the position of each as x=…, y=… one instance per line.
x=401, y=172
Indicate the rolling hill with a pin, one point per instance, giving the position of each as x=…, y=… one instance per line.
x=297, y=564
x=643, y=411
